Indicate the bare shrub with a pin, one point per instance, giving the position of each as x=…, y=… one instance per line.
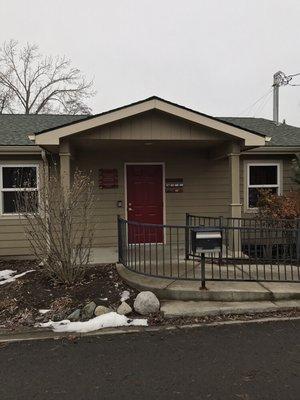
x=277, y=207
x=60, y=228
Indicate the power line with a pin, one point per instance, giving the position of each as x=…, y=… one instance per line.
x=257, y=101
x=294, y=74
x=263, y=105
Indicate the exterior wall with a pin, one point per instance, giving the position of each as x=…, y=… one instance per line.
x=13, y=241
x=206, y=185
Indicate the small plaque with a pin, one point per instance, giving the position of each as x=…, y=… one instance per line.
x=174, y=185
x=108, y=178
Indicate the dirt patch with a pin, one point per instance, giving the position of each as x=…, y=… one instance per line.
x=21, y=300
x=158, y=319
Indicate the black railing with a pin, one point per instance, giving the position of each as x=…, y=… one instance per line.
x=250, y=251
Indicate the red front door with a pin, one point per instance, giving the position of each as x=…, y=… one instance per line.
x=145, y=202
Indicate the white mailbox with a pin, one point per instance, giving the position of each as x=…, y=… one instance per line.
x=206, y=239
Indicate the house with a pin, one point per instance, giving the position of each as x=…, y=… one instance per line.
x=152, y=161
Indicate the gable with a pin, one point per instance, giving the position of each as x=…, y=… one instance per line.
x=154, y=125
x=53, y=137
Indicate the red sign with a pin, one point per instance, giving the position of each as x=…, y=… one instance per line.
x=108, y=178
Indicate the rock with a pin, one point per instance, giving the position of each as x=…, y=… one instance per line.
x=88, y=310
x=146, y=303
x=100, y=310
x=124, y=308
x=75, y=315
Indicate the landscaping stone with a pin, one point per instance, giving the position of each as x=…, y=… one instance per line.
x=88, y=310
x=124, y=308
x=100, y=310
x=146, y=303
x=75, y=315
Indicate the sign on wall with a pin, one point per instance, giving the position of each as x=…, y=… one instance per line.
x=174, y=185
x=108, y=178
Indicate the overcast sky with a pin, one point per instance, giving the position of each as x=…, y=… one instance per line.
x=216, y=56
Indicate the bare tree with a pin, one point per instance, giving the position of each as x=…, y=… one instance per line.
x=59, y=225
x=5, y=100
x=31, y=83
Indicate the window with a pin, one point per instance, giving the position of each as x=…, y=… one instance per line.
x=261, y=176
x=17, y=181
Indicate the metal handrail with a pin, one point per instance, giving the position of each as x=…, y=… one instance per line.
x=249, y=253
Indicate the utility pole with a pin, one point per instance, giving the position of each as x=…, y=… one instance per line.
x=276, y=83
x=279, y=79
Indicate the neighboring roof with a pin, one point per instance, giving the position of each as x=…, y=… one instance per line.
x=53, y=136
x=14, y=128
x=282, y=135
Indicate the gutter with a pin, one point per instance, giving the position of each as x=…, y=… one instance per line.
x=273, y=150
x=22, y=150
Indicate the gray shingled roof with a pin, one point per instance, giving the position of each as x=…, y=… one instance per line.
x=282, y=135
x=14, y=128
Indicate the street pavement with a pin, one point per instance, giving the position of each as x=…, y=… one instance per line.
x=238, y=361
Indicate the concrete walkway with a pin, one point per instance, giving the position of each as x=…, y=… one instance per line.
x=177, y=308
x=168, y=289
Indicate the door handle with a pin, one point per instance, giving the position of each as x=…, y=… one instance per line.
x=130, y=209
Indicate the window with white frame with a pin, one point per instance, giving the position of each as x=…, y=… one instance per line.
x=261, y=176
x=16, y=181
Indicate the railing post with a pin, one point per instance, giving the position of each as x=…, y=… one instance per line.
x=221, y=223
x=119, y=239
x=187, y=236
x=298, y=240
x=203, y=286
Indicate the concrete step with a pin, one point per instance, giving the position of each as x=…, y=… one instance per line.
x=176, y=308
x=168, y=289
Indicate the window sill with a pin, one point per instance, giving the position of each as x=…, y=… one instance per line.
x=251, y=211
x=11, y=216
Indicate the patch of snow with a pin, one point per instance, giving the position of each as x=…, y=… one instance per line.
x=43, y=311
x=109, y=320
x=7, y=275
x=125, y=295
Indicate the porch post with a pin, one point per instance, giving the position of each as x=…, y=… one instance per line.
x=65, y=165
x=235, y=244
x=234, y=168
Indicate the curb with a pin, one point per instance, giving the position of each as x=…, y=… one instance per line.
x=33, y=335
x=185, y=290
x=191, y=309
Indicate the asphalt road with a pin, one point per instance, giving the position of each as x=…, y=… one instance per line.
x=243, y=362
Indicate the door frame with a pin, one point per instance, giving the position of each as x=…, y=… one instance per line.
x=163, y=186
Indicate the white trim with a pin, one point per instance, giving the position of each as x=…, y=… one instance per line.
x=163, y=188
x=2, y=190
x=258, y=163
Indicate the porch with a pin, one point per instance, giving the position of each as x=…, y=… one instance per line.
x=193, y=163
